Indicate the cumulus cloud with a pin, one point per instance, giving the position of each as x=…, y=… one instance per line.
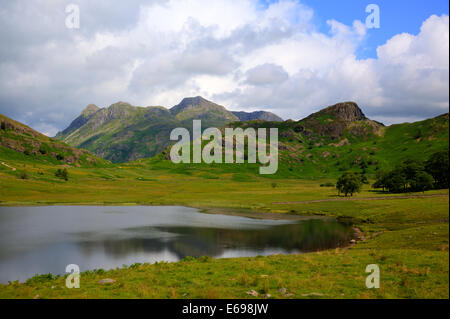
x=239, y=53
x=266, y=74
x=414, y=70
x=407, y=81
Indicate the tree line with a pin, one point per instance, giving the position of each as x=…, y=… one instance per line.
x=411, y=175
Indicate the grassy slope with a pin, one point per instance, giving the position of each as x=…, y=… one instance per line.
x=410, y=236
x=20, y=143
x=123, y=132
x=315, y=156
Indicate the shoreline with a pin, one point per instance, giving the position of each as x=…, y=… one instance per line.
x=242, y=212
x=436, y=194
x=395, y=250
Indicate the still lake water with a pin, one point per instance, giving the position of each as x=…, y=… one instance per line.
x=41, y=240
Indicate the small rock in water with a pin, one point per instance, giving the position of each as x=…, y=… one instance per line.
x=36, y=297
x=106, y=281
x=253, y=293
x=282, y=290
x=353, y=241
x=268, y=295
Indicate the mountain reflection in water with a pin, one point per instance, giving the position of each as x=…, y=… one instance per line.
x=46, y=239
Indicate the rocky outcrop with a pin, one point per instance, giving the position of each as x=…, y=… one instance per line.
x=210, y=113
x=82, y=119
x=339, y=118
x=346, y=111
x=258, y=115
x=89, y=110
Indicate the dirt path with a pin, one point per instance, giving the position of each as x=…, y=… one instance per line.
x=13, y=168
x=360, y=198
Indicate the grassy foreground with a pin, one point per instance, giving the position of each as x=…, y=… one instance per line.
x=407, y=238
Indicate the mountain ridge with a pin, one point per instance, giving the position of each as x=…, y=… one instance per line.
x=257, y=115
x=305, y=149
x=122, y=132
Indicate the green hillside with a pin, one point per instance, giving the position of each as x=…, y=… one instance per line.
x=332, y=141
x=406, y=235
x=19, y=142
x=323, y=145
x=122, y=132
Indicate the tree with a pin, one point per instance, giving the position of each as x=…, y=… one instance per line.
x=411, y=167
x=363, y=165
x=395, y=181
x=62, y=173
x=437, y=166
x=422, y=181
x=349, y=183
x=3, y=126
x=381, y=179
x=364, y=179
x=409, y=176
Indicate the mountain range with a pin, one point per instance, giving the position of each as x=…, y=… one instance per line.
x=324, y=144
x=340, y=138
x=122, y=132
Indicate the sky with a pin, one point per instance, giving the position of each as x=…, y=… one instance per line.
x=289, y=57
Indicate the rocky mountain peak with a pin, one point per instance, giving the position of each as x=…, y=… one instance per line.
x=118, y=110
x=193, y=100
x=90, y=109
x=340, y=117
x=82, y=119
x=258, y=115
x=189, y=102
x=199, y=108
x=119, y=105
x=346, y=111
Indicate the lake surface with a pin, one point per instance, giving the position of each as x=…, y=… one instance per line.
x=41, y=240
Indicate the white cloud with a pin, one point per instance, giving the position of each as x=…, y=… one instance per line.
x=267, y=73
x=414, y=70
x=408, y=80
x=237, y=53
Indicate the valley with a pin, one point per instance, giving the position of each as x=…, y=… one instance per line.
x=405, y=234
